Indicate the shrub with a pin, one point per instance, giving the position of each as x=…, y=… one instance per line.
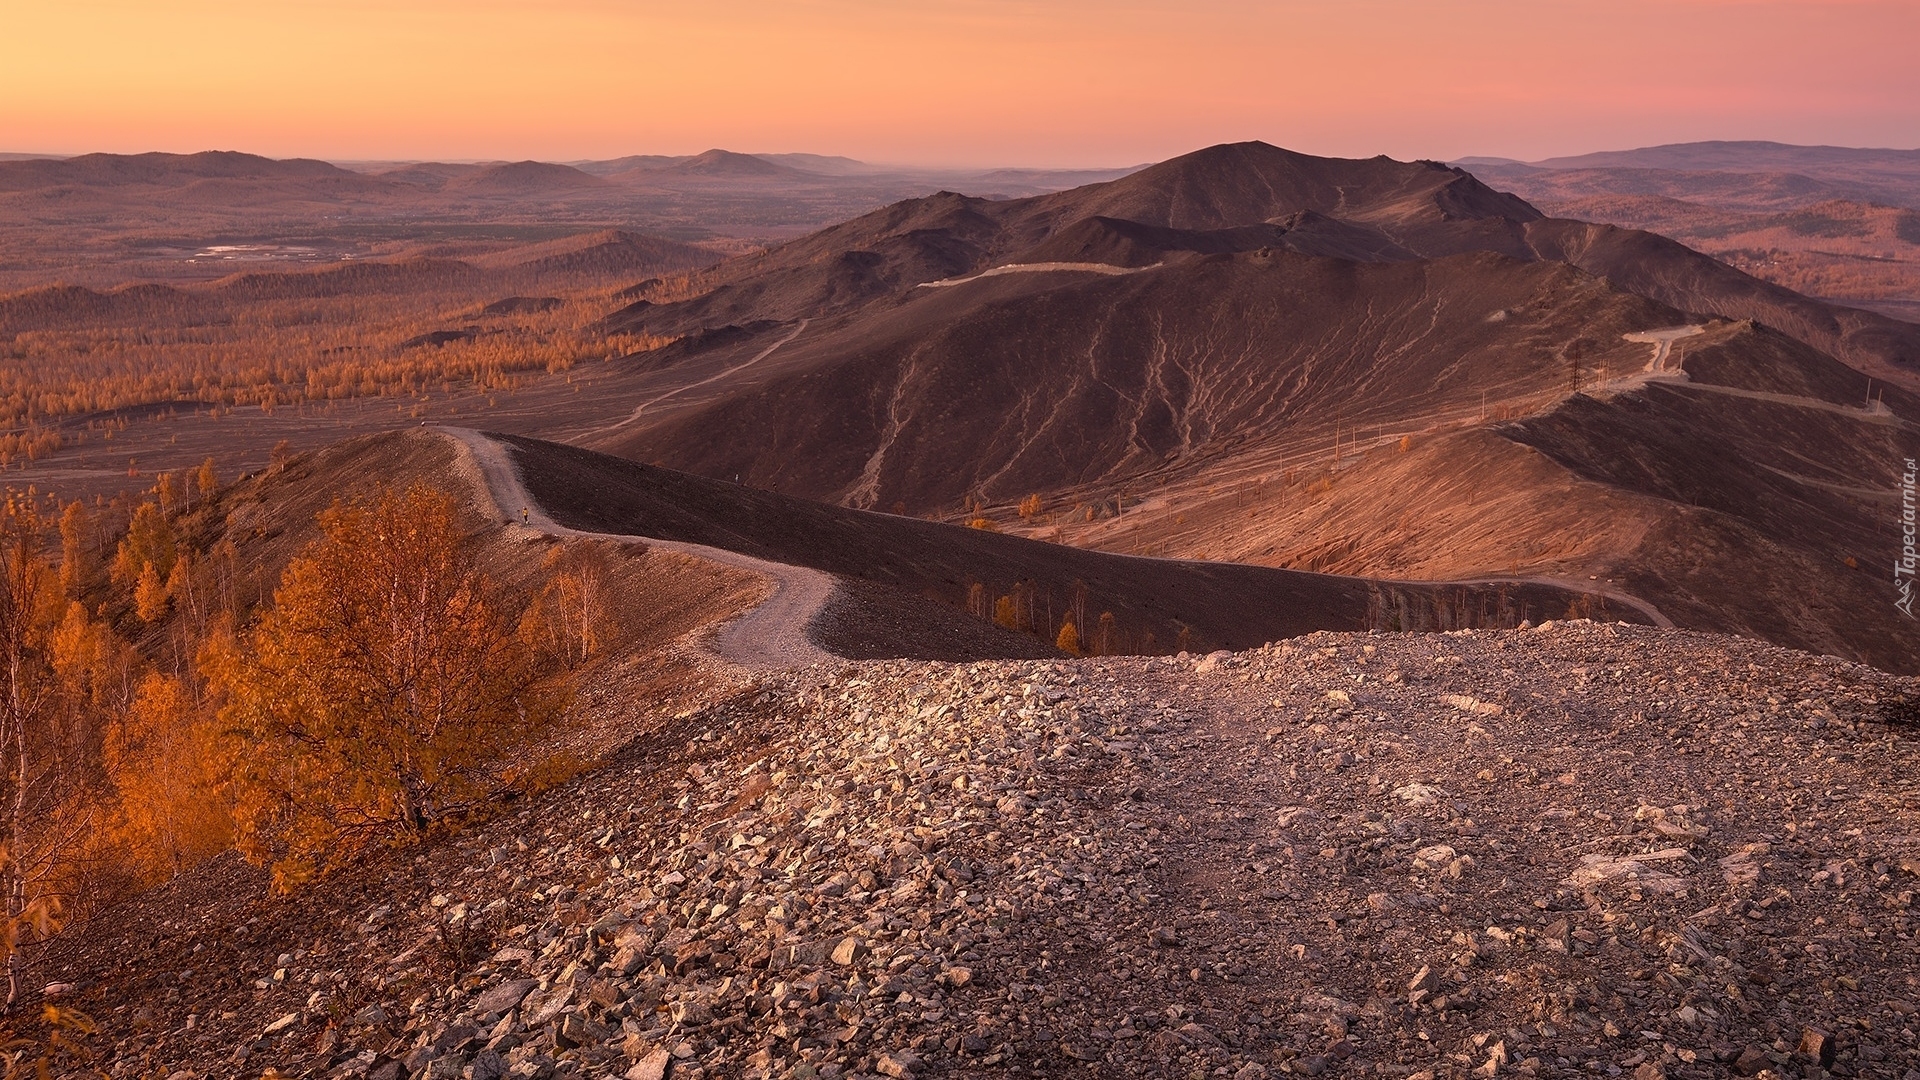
x=1069, y=639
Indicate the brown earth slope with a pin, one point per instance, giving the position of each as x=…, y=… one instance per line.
x=1158, y=605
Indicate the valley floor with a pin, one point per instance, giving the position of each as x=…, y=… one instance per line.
x=1576, y=850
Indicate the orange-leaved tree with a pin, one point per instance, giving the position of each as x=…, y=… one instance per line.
x=149, y=543
x=569, y=616
x=369, y=701
x=1069, y=640
x=164, y=758
x=40, y=737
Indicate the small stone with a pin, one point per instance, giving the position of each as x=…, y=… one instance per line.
x=280, y=1025
x=487, y=1065
x=503, y=997
x=957, y=976
x=1210, y=661
x=1417, y=794
x=691, y=1012
x=1752, y=1060
x=651, y=1067
x=807, y=954
x=1163, y=937
x=898, y=1063
x=1817, y=1045
x=455, y=1038
x=1424, y=981
x=577, y=1030
x=1649, y=1071
x=544, y=1008
x=1557, y=937
x=849, y=950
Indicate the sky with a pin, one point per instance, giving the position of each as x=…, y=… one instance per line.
x=950, y=82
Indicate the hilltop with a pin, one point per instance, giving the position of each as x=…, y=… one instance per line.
x=1660, y=853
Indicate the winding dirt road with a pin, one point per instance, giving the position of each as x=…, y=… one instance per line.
x=728, y=373
x=771, y=637
x=1039, y=268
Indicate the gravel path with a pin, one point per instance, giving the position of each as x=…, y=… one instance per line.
x=771, y=637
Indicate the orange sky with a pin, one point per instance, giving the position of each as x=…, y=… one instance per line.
x=1041, y=82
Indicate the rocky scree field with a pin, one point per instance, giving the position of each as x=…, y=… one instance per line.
x=1578, y=849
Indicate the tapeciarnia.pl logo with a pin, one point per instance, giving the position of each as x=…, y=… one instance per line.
x=1903, y=567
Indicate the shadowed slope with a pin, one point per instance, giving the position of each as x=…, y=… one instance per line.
x=1159, y=605
x=1033, y=382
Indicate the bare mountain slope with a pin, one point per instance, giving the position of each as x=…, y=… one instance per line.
x=1265, y=323
x=1405, y=210
x=524, y=178
x=1844, y=230
x=171, y=170
x=1038, y=381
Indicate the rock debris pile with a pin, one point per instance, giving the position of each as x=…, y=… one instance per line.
x=1572, y=850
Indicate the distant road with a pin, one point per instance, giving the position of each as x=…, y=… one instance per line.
x=1040, y=268
x=1662, y=342
x=771, y=637
x=734, y=370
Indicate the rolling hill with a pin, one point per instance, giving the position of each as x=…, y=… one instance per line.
x=1244, y=338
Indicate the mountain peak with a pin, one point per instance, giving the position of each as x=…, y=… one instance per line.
x=1232, y=185
x=717, y=162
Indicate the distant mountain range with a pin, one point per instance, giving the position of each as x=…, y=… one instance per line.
x=1723, y=156
x=27, y=172
x=103, y=219
x=1831, y=221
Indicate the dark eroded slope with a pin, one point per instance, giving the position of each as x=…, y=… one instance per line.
x=1159, y=605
